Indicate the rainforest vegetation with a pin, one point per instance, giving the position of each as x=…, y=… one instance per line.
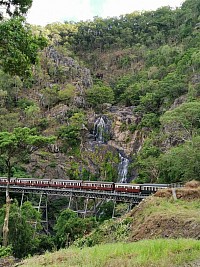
x=57, y=80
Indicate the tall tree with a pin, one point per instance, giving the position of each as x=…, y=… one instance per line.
x=18, y=46
x=14, y=146
x=15, y=7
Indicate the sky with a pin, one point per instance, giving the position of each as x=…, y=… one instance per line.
x=43, y=12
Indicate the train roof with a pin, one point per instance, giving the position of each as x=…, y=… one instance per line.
x=30, y=179
x=158, y=185
x=98, y=182
x=66, y=180
x=127, y=184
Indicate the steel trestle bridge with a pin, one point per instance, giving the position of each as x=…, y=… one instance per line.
x=70, y=192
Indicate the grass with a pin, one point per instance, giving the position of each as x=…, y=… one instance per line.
x=145, y=253
x=152, y=219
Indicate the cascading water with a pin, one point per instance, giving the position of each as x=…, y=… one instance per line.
x=100, y=130
x=123, y=169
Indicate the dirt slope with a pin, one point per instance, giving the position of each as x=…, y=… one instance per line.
x=168, y=215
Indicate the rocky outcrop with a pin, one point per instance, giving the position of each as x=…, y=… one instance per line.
x=74, y=73
x=118, y=124
x=48, y=165
x=122, y=137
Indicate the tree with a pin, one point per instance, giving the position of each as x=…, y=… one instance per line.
x=15, y=7
x=69, y=227
x=99, y=95
x=15, y=146
x=71, y=134
x=183, y=122
x=18, y=46
x=181, y=163
x=22, y=231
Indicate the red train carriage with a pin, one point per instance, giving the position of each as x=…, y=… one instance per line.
x=127, y=188
x=66, y=183
x=94, y=185
x=3, y=180
x=88, y=185
x=31, y=182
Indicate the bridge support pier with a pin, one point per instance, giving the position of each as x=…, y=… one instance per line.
x=85, y=208
x=43, y=206
x=22, y=199
x=114, y=202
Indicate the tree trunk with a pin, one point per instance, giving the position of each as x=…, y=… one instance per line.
x=6, y=220
x=7, y=214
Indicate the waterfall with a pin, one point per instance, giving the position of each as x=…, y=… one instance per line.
x=100, y=130
x=123, y=169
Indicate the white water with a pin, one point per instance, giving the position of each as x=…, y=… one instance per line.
x=99, y=130
x=123, y=169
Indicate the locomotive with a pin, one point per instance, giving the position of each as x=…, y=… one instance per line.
x=85, y=185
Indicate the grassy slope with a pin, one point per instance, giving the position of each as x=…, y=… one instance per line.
x=159, y=217
x=157, y=253
x=155, y=217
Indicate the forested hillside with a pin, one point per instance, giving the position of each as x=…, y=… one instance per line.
x=138, y=72
x=115, y=99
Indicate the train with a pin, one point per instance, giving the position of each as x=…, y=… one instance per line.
x=85, y=185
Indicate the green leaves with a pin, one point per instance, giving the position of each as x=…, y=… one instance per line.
x=187, y=114
x=22, y=236
x=15, y=7
x=99, y=95
x=69, y=227
x=18, y=46
x=181, y=163
x=16, y=145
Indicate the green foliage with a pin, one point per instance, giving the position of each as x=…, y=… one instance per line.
x=181, y=163
x=9, y=120
x=32, y=113
x=18, y=47
x=187, y=116
x=24, y=103
x=70, y=135
x=19, y=172
x=69, y=227
x=106, y=211
x=11, y=86
x=99, y=95
x=15, y=7
x=149, y=120
x=142, y=253
x=5, y=251
x=66, y=95
x=105, y=162
x=42, y=124
x=108, y=232
x=50, y=95
x=22, y=233
x=147, y=161
x=16, y=145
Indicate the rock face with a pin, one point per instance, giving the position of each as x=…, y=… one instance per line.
x=48, y=165
x=110, y=133
x=79, y=76
x=117, y=122
x=122, y=137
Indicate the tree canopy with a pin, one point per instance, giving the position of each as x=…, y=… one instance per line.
x=18, y=46
x=15, y=7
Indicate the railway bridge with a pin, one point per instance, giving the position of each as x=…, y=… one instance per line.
x=93, y=199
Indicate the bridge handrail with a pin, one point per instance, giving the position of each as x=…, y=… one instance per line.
x=176, y=185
